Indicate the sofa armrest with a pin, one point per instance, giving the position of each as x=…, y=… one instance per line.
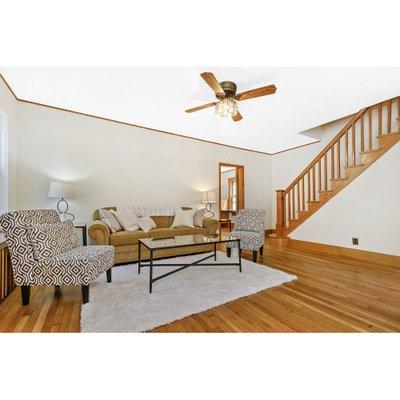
x=99, y=232
x=211, y=225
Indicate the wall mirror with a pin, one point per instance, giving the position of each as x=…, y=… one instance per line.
x=231, y=189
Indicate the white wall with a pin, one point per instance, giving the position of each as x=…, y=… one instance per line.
x=115, y=164
x=9, y=106
x=368, y=208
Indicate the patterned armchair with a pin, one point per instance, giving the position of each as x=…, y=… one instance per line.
x=250, y=229
x=45, y=251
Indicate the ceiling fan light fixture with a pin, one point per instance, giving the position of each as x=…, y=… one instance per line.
x=226, y=107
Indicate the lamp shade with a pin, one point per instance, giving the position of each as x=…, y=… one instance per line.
x=208, y=197
x=61, y=190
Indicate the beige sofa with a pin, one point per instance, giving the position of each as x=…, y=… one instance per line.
x=126, y=243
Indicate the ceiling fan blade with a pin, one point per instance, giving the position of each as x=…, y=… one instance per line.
x=201, y=107
x=237, y=117
x=251, y=94
x=211, y=81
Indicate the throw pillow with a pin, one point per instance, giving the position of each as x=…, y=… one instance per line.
x=198, y=218
x=146, y=224
x=110, y=220
x=128, y=220
x=183, y=218
x=50, y=240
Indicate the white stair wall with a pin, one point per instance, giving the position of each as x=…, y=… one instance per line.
x=368, y=208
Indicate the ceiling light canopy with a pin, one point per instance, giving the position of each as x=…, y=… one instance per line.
x=226, y=107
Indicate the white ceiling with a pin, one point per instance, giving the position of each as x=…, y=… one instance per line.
x=157, y=97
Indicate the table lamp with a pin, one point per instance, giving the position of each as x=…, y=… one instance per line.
x=208, y=198
x=62, y=191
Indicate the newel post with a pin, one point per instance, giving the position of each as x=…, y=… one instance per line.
x=280, y=213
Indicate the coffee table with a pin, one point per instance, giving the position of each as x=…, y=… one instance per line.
x=176, y=242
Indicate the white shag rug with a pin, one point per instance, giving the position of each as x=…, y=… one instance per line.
x=125, y=304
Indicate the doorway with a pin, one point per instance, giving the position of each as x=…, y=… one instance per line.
x=231, y=189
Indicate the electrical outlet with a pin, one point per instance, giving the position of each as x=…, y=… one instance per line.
x=355, y=241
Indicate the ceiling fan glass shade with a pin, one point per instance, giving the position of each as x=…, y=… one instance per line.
x=226, y=107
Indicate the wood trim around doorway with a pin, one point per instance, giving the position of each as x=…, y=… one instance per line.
x=240, y=184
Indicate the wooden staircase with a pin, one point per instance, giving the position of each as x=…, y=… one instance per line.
x=366, y=137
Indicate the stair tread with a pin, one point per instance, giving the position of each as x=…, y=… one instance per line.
x=340, y=179
x=325, y=191
x=371, y=151
x=314, y=201
x=354, y=166
x=389, y=134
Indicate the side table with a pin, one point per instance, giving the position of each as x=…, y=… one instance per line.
x=225, y=221
x=83, y=227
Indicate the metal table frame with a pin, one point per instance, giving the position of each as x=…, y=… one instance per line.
x=181, y=265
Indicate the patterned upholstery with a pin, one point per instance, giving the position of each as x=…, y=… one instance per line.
x=250, y=229
x=50, y=240
x=79, y=265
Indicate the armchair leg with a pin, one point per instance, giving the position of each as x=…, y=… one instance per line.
x=25, y=294
x=85, y=294
x=261, y=250
x=228, y=251
x=108, y=273
x=254, y=255
x=57, y=290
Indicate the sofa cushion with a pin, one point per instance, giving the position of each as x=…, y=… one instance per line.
x=191, y=231
x=198, y=217
x=146, y=224
x=162, y=233
x=124, y=237
x=110, y=220
x=96, y=214
x=128, y=220
x=163, y=221
x=126, y=248
x=183, y=218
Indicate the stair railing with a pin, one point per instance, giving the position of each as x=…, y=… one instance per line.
x=359, y=135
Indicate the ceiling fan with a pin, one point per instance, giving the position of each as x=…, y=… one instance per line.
x=228, y=98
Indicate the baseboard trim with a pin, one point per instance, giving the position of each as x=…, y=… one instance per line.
x=361, y=255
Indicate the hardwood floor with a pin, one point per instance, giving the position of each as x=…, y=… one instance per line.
x=331, y=294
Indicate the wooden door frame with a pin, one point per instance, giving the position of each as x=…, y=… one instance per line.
x=240, y=184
